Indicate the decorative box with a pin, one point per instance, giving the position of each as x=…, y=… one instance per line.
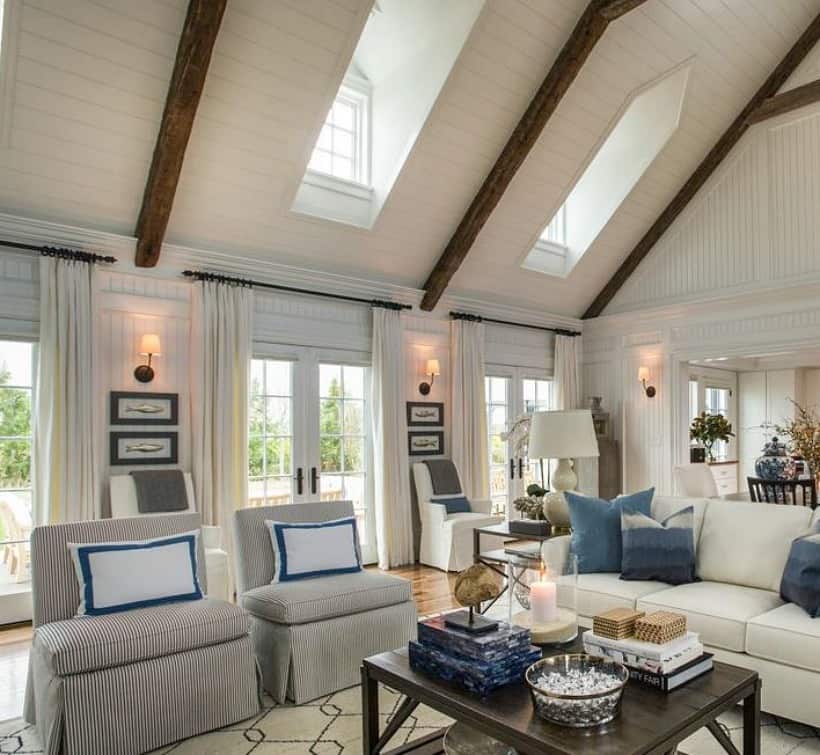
x=616, y=624
x=660, y=627
x=539, y=527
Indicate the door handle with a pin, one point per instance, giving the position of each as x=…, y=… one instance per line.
x=520, y=468
x=300, y=479
x=314, y=480
x=512, y=469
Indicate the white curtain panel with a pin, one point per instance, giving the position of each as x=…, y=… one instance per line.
x=469, y=409
x=221, y=336
x=394, y=519
x=568, y=372
x=67, y=459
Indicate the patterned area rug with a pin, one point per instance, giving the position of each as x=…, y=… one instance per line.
x=332, y=726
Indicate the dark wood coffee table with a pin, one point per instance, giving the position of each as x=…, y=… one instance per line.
x=650, y=721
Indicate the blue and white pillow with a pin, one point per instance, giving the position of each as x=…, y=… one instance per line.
x=801, y=577
x=136, y=574
x=453, y=504
x=660, y=550
x=596, y=528
x=314, y=549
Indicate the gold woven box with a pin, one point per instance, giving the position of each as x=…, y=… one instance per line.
x=660, y=627
x=616, y=624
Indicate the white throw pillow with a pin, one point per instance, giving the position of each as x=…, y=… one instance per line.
x=314, y=549
x=123, y=576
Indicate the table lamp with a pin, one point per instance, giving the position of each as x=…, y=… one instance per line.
x=563, y=435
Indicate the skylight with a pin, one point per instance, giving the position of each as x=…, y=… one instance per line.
x=646, y=123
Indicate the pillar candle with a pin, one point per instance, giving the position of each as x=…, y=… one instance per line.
x=544, y=602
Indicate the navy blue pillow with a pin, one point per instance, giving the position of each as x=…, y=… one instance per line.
x=596, y=528
x=664, y=551
x=801, y=577
x=453, y=504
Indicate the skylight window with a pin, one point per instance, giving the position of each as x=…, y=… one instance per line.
x=646, y=123
x=342, y=150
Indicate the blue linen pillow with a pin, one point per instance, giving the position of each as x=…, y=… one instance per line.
x=303, y=550
x=454, y=504
x=660, y=550
x=122, y=576
x=801, y=577
x=596, y=528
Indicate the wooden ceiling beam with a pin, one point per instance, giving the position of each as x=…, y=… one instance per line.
x=708, y=165
x=786, y=102
x=194, y=51
x=589, y=29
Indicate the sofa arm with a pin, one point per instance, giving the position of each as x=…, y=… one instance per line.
x=556, y=549
x=433, y=514
x=482, y=507
x=211, y=536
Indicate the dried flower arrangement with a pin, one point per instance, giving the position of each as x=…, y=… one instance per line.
x=803, y=433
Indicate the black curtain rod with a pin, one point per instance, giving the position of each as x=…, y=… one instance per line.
x=478, y=318
x=55, y=251
x=259, y=284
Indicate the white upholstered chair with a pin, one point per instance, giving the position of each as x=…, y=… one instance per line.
x=696, y=481
x=124, y=504
x=447, y=539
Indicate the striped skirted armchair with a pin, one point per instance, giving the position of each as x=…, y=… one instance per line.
x=310, y=635
x=132, y=681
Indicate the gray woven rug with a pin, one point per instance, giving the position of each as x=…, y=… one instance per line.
x=332, y=726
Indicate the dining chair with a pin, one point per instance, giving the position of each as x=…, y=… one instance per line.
x=788, y=492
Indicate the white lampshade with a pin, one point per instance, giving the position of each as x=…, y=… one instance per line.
x=149, y=344
x=643, y=373
x=433, y=367
x=562, y=435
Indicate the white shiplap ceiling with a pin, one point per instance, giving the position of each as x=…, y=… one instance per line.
x=90, y=78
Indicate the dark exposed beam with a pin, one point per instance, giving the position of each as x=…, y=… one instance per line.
x=193, y=57
x=589, y=29
x=708, y=165
x=786, y=102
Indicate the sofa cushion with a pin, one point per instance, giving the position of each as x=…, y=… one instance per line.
x=716, y=611
x=601, y=592
x=801, y=576
x=663, y=506
x=661, y=550
x=89, y=643
x=311, y=600
x=785, y=635
x=748, y=543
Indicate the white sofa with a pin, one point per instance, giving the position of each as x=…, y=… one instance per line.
x=447, y=540
x=741, y=550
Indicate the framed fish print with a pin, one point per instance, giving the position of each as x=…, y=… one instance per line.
x=426, y=442
x=129, y=408
x=425, y=413
x=131, y=448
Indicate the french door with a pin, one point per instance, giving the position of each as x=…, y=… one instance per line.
x=511, y=393
x=309, y=433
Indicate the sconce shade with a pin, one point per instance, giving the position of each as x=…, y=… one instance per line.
x=562, y=435
x=433, y=367
x=643, y=373
x=149, y=344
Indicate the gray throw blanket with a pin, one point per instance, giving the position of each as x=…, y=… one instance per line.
x=160, y=490
x=444, y=476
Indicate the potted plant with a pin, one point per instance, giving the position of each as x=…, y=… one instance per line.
x=708, y=428
x=803, y=433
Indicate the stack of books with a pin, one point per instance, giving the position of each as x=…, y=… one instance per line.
x=477, y=662
x=664, y=667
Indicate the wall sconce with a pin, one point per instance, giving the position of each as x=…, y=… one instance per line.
x=433, y=369
x=149, y=347
x=643, y=376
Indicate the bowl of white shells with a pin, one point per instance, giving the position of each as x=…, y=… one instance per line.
x=577, y=689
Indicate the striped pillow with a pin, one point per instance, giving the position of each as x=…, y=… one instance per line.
x=663, y=551
x=801, y=577
x=123, y=576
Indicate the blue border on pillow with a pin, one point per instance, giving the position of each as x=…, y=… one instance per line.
x=84, y=551
x=283, y=575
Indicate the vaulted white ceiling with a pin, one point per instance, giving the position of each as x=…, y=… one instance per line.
x=89, y=79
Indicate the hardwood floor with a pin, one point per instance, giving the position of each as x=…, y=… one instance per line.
x=432, y=591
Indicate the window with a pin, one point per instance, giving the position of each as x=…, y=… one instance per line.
x=538, y=397
x=497, y=399
x=17, y=371
x=716, y=401
x=270, y=436
x=693, y=400
x=556, y=230
x=342, y=150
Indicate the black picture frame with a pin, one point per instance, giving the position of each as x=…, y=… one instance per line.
x=122, y=461
x=434, y=421
x=416, y=434
x=117, y=418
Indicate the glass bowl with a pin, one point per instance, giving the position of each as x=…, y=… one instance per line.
x=461, y=739
x=577, y=689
